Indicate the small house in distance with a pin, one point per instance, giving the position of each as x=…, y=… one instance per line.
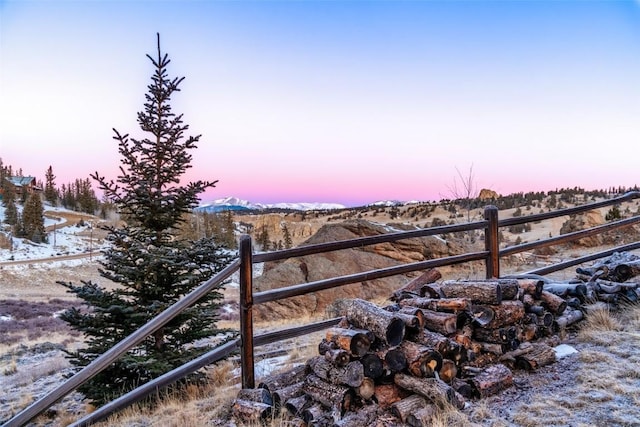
x=22, y=185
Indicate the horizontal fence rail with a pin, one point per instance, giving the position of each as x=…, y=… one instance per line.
x=244, y=265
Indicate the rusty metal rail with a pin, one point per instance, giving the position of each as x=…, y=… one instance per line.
x=244, y=265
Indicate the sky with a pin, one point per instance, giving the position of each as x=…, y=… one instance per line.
x=347, y=102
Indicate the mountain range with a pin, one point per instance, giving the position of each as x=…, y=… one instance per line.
x=235, y=204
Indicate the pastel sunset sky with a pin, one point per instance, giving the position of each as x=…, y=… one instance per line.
x=333, y=101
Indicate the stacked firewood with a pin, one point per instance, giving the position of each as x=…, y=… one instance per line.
x=439, y=344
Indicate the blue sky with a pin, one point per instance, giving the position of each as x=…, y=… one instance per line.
x=334, y=101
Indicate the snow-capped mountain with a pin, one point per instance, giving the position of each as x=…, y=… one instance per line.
x=235, y=204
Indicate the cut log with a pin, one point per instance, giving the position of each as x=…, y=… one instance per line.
x=564, y=290
x=479, y=292
x=403, y=408
x=415, y=285
x=447, y=347
x=492, y=380
x=387, y=394
x=284, y=394
x=364, y=416
x=500, y=335
x=372, y=365
x=545, y=319
x=250, y=412
x=510, y=289
x=394, y=359
x=313, y=414
x=434, y=389
x=555, y=304
x=505, y=314
x=531, y=305
x=296, y=405
x=422, y=361
x=366, y=389
x=531, y=287
x=444, y=323
x=569, y=317
x=354, y=341
x=452, y=305
x=531, y=332
x=481, y=315
x=448, y=371
x=414, y=311
x=351, y=374
x=338, y=356
x=422, y=417
x=463, y=387
x=324, y=345
x=283, y=379
x=261, y=395
x=337, y=397
x=540, y=355
x=364, y=314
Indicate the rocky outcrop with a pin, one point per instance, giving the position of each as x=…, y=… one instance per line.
x=582, y=222
x=486, y=194
x=350, y=261
x=592, y=219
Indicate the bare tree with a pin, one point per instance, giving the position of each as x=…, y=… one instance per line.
x=464, y=189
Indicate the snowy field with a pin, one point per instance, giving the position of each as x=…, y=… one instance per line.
x=64, y=238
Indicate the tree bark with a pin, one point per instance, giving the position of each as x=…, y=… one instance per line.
x=362, y=417
x=540, y=355
x=531, y=287
x=364, y=314
x=415, y=285
x=351, y=374
x=506, y=314
x=444, y=323
x=569, y=317
x=284, y=394
x=283, y=379
x=422, y=361
x=338, y=356
x=261, y=395
x=422, y=417
x=555, y=304
x=403, y=408
x=479, y=292
x=567, y=289
x=250, y=412
x=499, y=336
x=492, y=380
x=447, y=347
x=387, y=394
x=296, y=405
x=434, y=389
x=354, y=341
x=438, y=304
x=337, y=397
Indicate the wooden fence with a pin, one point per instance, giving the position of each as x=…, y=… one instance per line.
x=247, y=341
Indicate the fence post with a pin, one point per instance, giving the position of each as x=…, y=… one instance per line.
x=246, y=312
x=491, y=242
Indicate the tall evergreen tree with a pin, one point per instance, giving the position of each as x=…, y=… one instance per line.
x=149, y=261
x=288, y=241
x=11, y=212
x=33, y=219
x=50, y=191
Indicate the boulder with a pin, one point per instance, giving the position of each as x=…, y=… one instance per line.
x=344, y=262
